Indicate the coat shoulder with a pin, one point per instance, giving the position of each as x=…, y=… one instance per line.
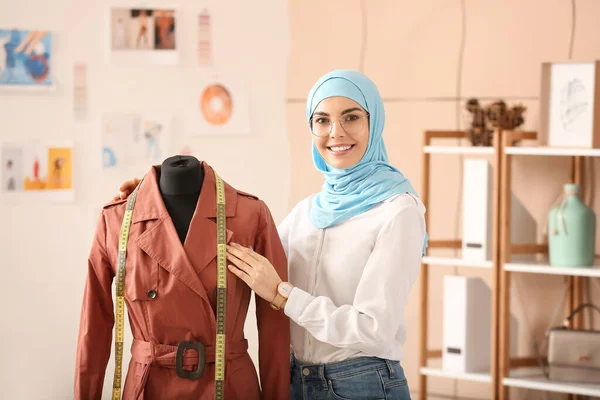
x=245, y=194
x=240, y=193
x=113, y=203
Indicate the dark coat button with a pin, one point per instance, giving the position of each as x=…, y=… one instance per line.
x=152, y=294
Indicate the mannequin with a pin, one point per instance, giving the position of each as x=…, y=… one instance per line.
x=180, y=183
x=169, y=292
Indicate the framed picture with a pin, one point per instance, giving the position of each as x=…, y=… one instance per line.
x=33, y=170
x=26, y=59
x=142, y=36
x=132, y=139
x=570, y=104
x=218, y=106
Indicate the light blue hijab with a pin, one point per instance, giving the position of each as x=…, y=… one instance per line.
x=349, y=192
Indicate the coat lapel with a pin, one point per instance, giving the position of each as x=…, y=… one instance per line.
x=161, y=242
x=201, y=240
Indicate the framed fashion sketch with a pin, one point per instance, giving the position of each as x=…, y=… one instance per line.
x=26, y=59
x=38, y=170
x=139, y=35
x=130, y=139
x=570, y=104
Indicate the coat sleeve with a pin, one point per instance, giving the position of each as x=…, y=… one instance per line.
x=96, y=321
x=273, y=326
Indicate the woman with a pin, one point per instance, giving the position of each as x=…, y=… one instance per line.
x=354, y=251
x=143, y=28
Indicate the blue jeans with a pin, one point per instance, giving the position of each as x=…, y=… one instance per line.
x=363, y=378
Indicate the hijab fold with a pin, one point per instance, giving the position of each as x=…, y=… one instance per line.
x=352, y=191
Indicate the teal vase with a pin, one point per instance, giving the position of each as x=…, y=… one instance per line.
x=571, y=231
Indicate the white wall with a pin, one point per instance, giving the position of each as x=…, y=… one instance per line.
x=44, y=246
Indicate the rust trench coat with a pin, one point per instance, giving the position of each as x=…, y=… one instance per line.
x=170, y=294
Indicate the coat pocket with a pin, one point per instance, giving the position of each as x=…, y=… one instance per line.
x=141, y=279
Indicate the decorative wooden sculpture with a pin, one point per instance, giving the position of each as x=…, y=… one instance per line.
x=484, y=120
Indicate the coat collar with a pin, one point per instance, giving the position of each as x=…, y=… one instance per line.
x=150, y=205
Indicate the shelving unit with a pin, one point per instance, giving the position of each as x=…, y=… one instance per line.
x=473, y=377
x=535, y=380
x=543, y=267
x=456, y=262
x=425, y=353
x=551, y=151
x=511, y=370
x=506, y=372
x=458, y=150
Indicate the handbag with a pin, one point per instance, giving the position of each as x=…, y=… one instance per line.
x=573, y=354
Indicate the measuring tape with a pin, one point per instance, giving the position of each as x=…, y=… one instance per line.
x=221, y=293
x=120, y=305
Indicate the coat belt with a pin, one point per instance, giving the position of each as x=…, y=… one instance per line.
x=164, y=355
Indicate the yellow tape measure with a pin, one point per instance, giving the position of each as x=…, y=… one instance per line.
x=221, y=293
x=120, y=304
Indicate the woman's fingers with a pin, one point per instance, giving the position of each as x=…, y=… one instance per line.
x=128, y=186
x=125, y=186
x=240, y=264
x=240, y=274
x=241, y=253
x=248, y=252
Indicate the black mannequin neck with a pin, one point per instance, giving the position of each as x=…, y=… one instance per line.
x=181, y=175
x=180, y=183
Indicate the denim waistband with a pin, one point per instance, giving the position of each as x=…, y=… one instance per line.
x=341, y=369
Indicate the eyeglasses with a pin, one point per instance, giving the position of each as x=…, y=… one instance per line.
x=351, y=123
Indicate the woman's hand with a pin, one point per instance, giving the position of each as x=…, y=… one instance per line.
x=126, y=188
x=255, y=270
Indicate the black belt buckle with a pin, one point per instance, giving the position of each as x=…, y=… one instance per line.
x=192, y=375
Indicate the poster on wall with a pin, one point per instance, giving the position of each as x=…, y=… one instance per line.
x=38, y=170
x=204, y=39
x=142, y=36
x=220, y=108
x=130, y=139
x=80, y=90
x=26, y=59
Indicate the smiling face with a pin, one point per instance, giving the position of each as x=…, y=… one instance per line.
x=340, y=128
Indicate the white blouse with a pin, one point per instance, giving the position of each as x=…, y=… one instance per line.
x=352, y=281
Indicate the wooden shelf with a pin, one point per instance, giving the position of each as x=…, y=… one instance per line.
x=463, y=376
x=501, y=152
x=534, y=379
x=456, y=262
x=551, y=151
x=543, y=267
x=456, y=146
x=468, y=149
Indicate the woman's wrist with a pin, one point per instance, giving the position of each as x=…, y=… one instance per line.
x=282, y=293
